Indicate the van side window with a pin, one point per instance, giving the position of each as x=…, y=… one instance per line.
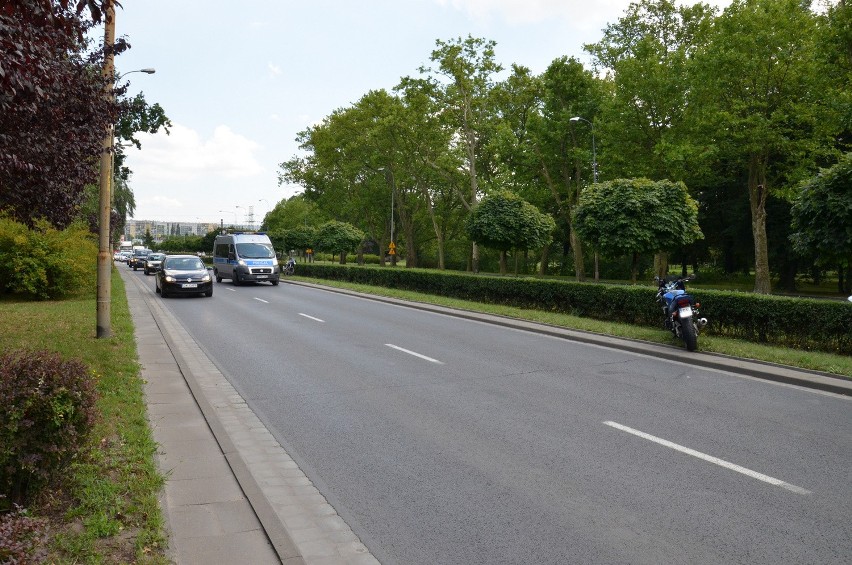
x=222, y=250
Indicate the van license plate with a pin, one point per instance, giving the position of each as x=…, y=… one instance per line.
x=189, y=285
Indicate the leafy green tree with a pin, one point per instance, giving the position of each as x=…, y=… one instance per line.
x=148, y=239
x=338, y=237
x=648, y=51
x=757, y=98
x=462, y=82
x=563, y=152
x=426, y=164
x=504, y=221
x=822, y=219
x=294, y=212
x=635, y=216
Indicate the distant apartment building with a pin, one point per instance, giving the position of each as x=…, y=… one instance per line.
x=135, y=229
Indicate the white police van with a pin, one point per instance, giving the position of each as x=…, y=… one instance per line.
x=245, y=257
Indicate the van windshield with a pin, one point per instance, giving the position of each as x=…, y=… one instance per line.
x=255, y=251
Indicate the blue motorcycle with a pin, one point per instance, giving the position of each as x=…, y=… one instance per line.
x=680, y=310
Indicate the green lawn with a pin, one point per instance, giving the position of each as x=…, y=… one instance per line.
x=105, y=510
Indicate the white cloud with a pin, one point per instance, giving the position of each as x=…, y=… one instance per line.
x=274, y=70
x=184, y=155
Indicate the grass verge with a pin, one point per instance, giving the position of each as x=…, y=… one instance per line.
x=105, y=509
x=813, y=360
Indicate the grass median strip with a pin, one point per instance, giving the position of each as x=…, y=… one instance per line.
x=106, y=508
x=812, y=360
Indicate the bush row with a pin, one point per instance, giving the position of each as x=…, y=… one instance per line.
x=824, y=325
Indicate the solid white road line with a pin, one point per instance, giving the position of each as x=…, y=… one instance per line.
x=392, y=346
x=261, y=300
x=711, y=459
x=231, y=289
x=311, y=318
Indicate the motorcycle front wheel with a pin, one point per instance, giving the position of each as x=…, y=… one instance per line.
x=689, y=335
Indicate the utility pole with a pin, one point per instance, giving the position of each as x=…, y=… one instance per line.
x=104, y=294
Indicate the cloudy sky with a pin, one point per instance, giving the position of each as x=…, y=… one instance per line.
x=239, y=80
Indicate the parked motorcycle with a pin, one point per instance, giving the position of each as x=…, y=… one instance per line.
x=680, y=310
x=289, y=267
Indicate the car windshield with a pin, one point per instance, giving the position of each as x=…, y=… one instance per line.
x=255, y=251
x=183, y=264
x=155, y=257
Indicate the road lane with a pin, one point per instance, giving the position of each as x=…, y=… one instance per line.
x=502, y=456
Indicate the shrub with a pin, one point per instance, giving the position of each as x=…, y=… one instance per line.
x=824, y=325
x=44, y=262
x=21, y=538
x=47, y=407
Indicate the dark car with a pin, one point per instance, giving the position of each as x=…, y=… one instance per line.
x=183, y=274
x=153, y=262
x=138, y=258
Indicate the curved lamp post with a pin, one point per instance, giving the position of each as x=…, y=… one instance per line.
x=594, y=176
x=393, y=190
x=231, y=212
x=594, y=150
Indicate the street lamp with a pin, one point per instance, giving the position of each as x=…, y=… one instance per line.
x=231, y=212
x=268, y=207
x=594, y=176
x=393, y=190
x=594, y=150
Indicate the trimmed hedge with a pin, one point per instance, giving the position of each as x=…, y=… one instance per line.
x=824, y=325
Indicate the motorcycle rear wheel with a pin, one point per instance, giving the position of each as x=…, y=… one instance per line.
x=687, y=332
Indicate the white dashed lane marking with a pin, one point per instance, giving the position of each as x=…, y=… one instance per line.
x=711, y=459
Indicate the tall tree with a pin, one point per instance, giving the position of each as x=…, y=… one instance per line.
x=757, y=97
x=563, y=152
x=647, y=51
x=468, y=66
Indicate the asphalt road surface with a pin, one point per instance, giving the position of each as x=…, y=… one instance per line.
x=444, y=440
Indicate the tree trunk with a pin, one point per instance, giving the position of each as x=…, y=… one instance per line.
x=545, y=257
x=634, y=267
x=502, y=262
x=579, y=260
x=474, y=257
x=661, y=264
x=757, y=192
x=439, y=235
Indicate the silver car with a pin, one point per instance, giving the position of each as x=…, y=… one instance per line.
x=153, y=262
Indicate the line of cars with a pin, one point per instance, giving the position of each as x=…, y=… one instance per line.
x=173, y=274
x=241, y=257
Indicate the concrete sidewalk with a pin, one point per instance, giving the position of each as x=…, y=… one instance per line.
x=232, y=493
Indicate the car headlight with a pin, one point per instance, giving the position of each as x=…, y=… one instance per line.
x=274, y=261
x=170, y=278
x=205, y=278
